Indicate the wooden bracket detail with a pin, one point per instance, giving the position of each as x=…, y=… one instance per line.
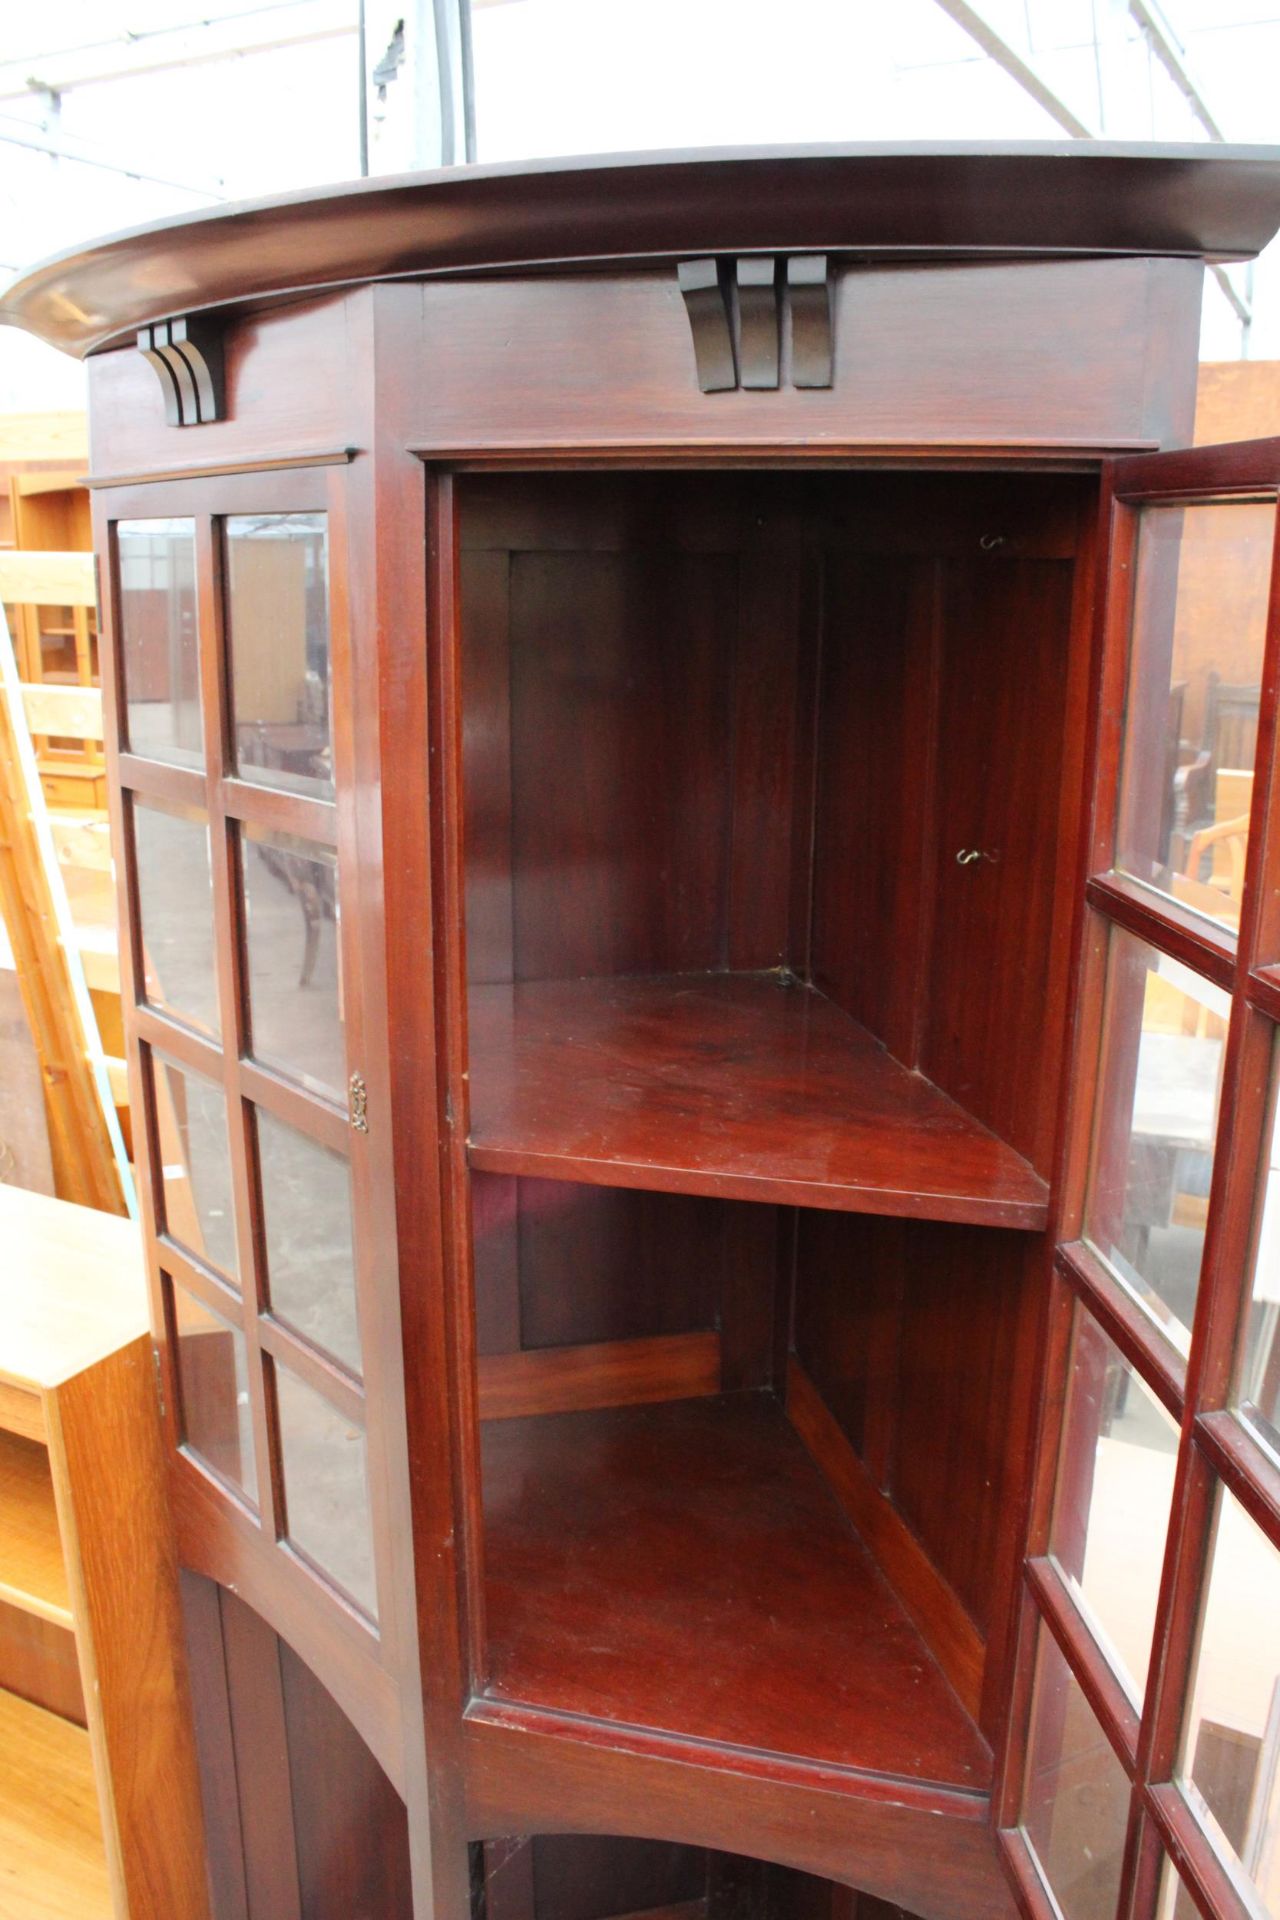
x=739, y=344
x=709, y=323
x=757, y=282
x=187, y=357
x=809, y=296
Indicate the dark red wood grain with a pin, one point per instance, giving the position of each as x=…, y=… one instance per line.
x=1030, y=198
x=874, y=817
x=255, y=1697
x=352, y=1835
x=927, y=1599
x=909, y=1331
x=962, y=1397
x=617, y=1540
x=919, y=1845
x=991, y=1039
x=1216, y=1449
x=619, y=699
x=301, y=1818
x=740, y=1085
x=641, y=1263
x=850, y=1281
x=628, y=738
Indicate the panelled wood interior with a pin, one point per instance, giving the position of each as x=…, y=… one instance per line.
x=759, y=945
x=741, y=725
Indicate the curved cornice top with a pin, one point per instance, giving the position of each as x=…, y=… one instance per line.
x=910, y=200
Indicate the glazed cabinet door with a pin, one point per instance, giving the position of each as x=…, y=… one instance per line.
x=261, y=1127
x=1148, y=1783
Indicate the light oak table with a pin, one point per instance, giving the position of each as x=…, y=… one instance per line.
x=99, y=1799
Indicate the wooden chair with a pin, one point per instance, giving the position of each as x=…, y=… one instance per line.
x=1232, y=837
x=1229, y=739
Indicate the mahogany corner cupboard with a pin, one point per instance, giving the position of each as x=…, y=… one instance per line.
x=700, y=875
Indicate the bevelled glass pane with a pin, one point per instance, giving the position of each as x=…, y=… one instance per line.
x=175, y=905
x=306, y=1209
x=195, y=1164
x=295, y=986
x=278, y=629
x=1075, y=1799
x=1160, y=1080
x=1231, y=1741
x=160, y=655
x=1191, y=721
x=1111, y=1508
x=326, y=1487
x=1258, y=1387
x=213, y=1379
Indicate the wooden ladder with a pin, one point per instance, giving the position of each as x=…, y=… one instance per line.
x=89, y=1160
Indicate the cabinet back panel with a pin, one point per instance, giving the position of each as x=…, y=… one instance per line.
x=872, y=816
x=908, y=1330
x=769, y=823
x=952, y=1474
x=485, y=594
x=561, y=1265
x=633, y=748
x=726, y=721
x=850, y=1277
x=875, y=514
x=1007, y=628
x=621, y=679
x=940, y=726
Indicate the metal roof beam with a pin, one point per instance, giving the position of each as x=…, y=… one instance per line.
x=1169, y=54
x=1019, y=68
x=261, y=31
x=1016, y=65
x=59, y=147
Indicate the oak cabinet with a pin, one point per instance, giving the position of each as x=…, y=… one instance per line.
x=694, y=778
x=99, y=1799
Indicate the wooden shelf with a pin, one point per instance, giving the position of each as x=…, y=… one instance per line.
x=53, y=1863
x=685, y=1568
x=727, y=1084
x=33, y=1574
